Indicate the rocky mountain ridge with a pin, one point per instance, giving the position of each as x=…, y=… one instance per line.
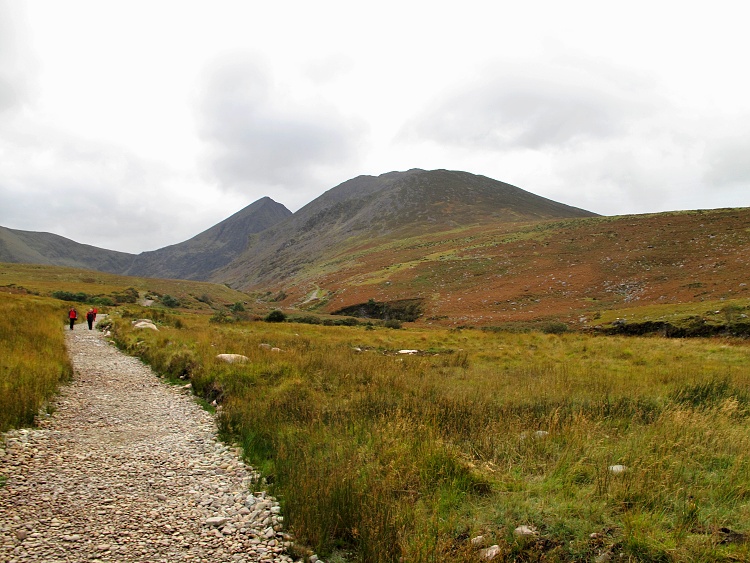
x=265, y=242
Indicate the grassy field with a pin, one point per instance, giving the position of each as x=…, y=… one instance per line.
x=45, y=280
x=383, y=456
x=33, y=359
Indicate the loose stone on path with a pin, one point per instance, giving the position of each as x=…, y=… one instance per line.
x=129, y=469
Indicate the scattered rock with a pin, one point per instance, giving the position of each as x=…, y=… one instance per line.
x=145, y=323
x=217, y=521
x=233, y=358
x=522, y=531
x=617, y=469
x=410, y=352
x=728, y=535
x=477, y=541
x=490, y=552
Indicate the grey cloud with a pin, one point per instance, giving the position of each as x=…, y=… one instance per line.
x=17, y=67
x=87, y=191
x=535, y=108
x=8, y=95
x=727, y=162
x=254, y=136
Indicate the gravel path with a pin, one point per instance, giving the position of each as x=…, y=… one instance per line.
x=129, y=469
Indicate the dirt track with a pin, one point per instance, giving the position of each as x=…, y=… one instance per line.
x=128, y=468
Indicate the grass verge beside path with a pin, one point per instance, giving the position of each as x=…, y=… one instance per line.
x=399, y=457
x=33, y=358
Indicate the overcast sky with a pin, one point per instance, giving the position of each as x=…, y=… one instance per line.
x=134, y=125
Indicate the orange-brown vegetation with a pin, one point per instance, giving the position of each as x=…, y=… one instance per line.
x=568, y=270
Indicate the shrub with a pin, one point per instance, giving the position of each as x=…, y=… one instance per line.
x=221, y=317
x=275, y=316
x=554, y=327
x=169, y=301
x=79, y=297
x=129, y=295
x=307, y=319
x=237, y=307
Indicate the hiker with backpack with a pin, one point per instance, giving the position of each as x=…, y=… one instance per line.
x=72, y=315
x=90, y=316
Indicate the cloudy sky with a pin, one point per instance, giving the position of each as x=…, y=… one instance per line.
x=134, y=125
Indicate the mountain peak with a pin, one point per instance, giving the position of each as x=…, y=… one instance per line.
x=394, y=204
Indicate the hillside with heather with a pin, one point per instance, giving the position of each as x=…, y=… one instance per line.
x=572, y=269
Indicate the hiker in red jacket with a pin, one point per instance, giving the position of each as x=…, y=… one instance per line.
x=72, y=315
x=90, y=316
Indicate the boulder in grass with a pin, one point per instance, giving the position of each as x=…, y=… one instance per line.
x=233, y=358
x=490, y=553
x=477, y=541
x=145, y=323
x=525, y=531
x=617, y=469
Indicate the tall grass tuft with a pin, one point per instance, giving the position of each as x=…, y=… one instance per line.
x=33, y=359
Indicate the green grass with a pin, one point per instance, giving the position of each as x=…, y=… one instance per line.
x=33, y=359
x=45, y=280
x=395, y=457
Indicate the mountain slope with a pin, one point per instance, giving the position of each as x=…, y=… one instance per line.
x=194, y=259
x=49, y=249
x=393, y=205
x=572, y=270
x=198, y=257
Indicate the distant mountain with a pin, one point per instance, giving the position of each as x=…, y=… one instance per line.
x=367, y=209
x=198, y=257
x=266, y=244
x=28, y=247
x=194, y=259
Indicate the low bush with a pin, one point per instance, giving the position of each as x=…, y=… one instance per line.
x=169, y=301
x=275, y=316
x=78, y=297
